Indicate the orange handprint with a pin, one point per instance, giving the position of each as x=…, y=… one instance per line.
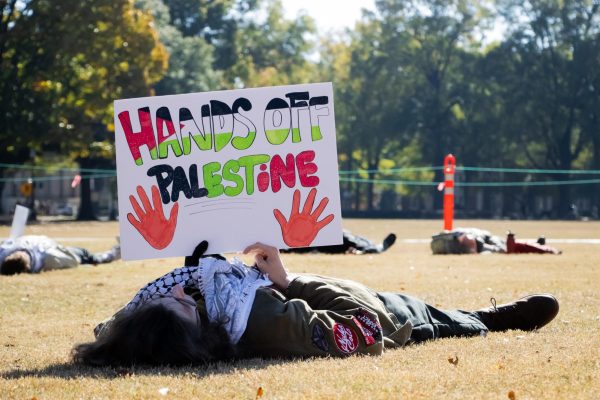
x=302, y=228
x=152, y=225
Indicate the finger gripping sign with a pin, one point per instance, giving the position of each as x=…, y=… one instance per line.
x=230, y=167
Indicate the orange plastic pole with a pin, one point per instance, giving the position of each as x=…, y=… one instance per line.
x=449, y=167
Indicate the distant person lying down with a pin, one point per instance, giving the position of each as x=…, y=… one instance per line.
x=33, y=254
x=474, y=241
x=353, y=244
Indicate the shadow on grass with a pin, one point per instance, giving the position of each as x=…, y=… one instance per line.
x=69, y=371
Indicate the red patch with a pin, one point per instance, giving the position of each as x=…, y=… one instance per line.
x=369, y=323
x=367, y=334
x=345, y=338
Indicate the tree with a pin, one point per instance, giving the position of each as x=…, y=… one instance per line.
x=63, y=64
x=248, y=42
x=591, y=109
x=217, y=22
x=380, y=96
x=405, y=78
x=551, y=68
x=271, y=51
x=442, y=34
x=191, y=58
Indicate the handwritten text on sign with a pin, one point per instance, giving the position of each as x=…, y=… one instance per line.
x=234, y=167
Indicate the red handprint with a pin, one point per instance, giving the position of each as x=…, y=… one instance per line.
x=152, y=225
x=302, y=228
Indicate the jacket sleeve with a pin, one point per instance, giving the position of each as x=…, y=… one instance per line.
x=321, y=295
x=327, y=321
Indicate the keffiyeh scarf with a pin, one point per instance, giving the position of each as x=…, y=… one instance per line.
x=228, y=289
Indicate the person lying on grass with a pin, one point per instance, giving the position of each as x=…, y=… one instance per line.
x=213, y=309
x=351, y=244
x=478, y=241
x=37, y=253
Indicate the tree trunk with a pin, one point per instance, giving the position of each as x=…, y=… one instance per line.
x=20, y=157
x=595, y=134
x=356, y=196
x=1, y=189
x=566, y=162
x=86, y=209
x=370, y=187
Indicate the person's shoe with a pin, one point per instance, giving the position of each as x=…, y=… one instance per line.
x=116, y=252
x=113, y=254
x=388, y=241
x=527, y=313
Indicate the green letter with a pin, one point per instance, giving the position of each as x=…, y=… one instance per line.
x=212, y=181
x=229, y=173
x=249, y=162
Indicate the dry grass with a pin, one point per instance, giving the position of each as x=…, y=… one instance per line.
x=42, y=316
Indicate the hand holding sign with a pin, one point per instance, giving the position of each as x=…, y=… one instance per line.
x=268, y=262
x=194, y=259
x=152, y=225
x=302, y=228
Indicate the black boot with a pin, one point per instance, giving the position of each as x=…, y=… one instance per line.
x=528, y=313
x=383, y=246
x=389, y=241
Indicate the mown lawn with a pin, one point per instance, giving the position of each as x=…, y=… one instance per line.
x=43, y=316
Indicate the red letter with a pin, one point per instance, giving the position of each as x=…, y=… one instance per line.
x=305, y=167
x=285, y=171
x=137, y=139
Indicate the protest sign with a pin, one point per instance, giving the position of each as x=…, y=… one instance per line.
x=231, y=167
x=19, y=221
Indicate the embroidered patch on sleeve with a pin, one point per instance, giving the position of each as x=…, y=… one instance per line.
x=345, y=338
x=366, y=333
x=318, y=338
x=368, y=325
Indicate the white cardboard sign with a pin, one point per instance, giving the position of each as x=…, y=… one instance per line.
x=19, y=221
x=231, y=167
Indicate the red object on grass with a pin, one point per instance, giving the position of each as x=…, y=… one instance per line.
x=520, y=247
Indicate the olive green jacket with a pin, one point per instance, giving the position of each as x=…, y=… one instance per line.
x=315, y=316
x=320, y=316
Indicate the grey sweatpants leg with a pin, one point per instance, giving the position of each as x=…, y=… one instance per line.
x=429, y=322
x=87, y=257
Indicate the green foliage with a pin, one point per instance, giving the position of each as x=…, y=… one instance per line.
x=64, y=63
x=548, y=75
x=413, y=81
x=61, y=66
x=405, y=79
x=190, y=57
x=231, y=43
x=271, y=51
x=416, y=75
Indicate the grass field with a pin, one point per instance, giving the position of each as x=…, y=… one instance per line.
x=43, y=316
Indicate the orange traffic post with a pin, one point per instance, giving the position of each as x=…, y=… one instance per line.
x=449, y=167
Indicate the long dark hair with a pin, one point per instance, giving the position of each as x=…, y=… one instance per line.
x=155, y=335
